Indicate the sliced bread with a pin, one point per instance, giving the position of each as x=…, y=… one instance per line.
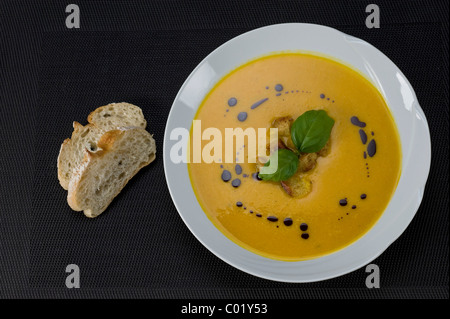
x=115, y=115
x=101, y=120
x=72, y=150
x=103, y=174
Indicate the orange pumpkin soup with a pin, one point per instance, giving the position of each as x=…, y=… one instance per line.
x=350, y=186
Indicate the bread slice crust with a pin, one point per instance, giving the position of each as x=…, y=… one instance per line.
x=115, y=115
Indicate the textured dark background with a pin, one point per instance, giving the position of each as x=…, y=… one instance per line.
x=141, y=52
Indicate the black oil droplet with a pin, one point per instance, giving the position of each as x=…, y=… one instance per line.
x=354, y=207
x=304, y=226
x=226, y=175
x=279, y=87
x=363, y=196
x=357, y=122
x=242, y=116
x=322, y=96
x=232, y=101
x=305, y=236
x=236, y=182
x=363, y=136
x=371, y=148
x=239, y=204
x=343, y=202
x=272, y=218
x=288, y=221
x=258, y=215
x=238, y=169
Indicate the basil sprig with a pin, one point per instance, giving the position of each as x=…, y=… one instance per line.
x=309, y=133
x=287, y=166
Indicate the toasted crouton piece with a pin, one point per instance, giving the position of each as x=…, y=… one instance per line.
x=307, y=162
x=326, y=149
x=281, y=145
x=297, y=186
x=283, y=124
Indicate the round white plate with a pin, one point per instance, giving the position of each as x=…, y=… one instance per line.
x=401, y=99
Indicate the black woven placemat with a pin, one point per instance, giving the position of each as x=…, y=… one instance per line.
x=141, y=52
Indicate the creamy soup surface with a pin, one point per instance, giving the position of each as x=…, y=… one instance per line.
x=351, y=186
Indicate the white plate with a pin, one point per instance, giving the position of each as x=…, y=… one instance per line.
x=401, y=99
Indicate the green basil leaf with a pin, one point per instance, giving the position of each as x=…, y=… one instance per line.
x=287, y=166
x=311, y=131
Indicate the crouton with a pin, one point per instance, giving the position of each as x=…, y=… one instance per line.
x=281, y=145
x=307, y=162
x=283, y=124
x=297, y=186
x=326, y=149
